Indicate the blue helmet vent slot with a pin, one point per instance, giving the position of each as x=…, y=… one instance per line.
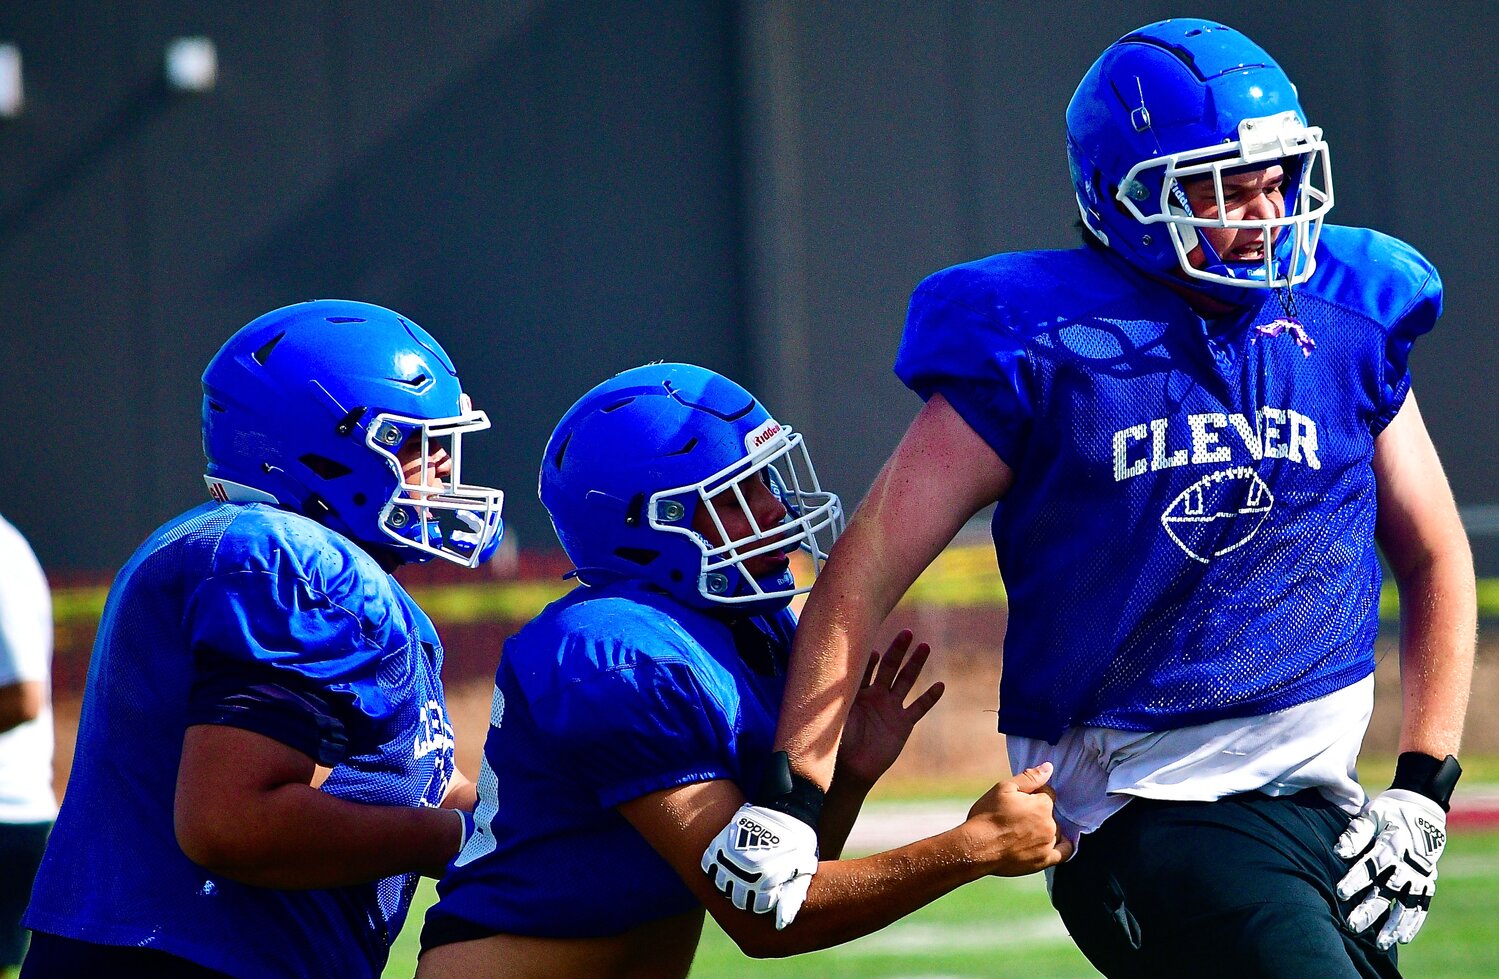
x=562, y=450
x=729, y=416
x=263, y=353
x=637, y=555
x=324, y=467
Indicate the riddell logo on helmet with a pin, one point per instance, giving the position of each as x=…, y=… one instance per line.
x=762, y=435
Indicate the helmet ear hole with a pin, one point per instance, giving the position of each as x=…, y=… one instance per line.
x=637, y=555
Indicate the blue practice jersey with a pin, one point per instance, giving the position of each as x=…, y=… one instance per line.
x=250, y=616
x=1190, y=533
x=610, y=694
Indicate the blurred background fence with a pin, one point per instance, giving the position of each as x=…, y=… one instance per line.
x=958, y=606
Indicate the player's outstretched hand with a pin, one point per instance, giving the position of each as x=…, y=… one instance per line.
x=880, y=720
x=1014, y=828
x=1397, y=841
x=759, y=861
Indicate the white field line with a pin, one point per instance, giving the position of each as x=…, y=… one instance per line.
x=1458, y=865
x=889, y=824
x=906, y=939
x=885, y=825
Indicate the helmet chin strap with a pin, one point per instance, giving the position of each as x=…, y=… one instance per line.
x=779, y=586
x=1183, y=207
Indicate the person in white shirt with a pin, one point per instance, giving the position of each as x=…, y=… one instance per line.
x=27, y=805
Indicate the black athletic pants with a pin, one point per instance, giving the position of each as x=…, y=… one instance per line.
x=21, y=846
x=1241, y=887
x=56, y=957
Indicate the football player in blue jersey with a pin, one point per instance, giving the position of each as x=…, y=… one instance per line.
x=1197, y=428
x=631, y=717
x=258, y=638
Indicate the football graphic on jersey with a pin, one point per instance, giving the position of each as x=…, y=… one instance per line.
x=1218, y=513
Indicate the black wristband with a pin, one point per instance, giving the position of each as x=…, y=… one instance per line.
x=1423, y=774
x=785, y=791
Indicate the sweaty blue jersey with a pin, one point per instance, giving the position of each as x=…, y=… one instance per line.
x=611, y=693
x=250, y=616
x=1190, y=533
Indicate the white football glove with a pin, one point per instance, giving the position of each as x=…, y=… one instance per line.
x=1397, y=839
x=763, y=859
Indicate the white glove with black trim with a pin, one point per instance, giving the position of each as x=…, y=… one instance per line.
x=1397, y=839
x=763, y=859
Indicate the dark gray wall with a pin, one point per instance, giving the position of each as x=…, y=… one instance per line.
x=560, y=189
x=925, y=134
x=549, y=187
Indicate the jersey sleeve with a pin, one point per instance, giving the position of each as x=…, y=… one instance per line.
x=636, y=729
x=1417, y=318
x=954, y=347
x=290, y=647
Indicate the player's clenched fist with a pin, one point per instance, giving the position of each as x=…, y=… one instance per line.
x=1012, y=826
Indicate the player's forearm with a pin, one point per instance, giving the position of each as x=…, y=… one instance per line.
x=852, y=898
x=839, y=812
x=1422, y=536
x=867, y=573
x=19, y=702
x=1438, y=625
x=822, y=682
x=462, y=794
x=941, y=474
x=296, y=837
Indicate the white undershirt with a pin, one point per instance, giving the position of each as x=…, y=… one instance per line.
x=25, y=655
x=1313, y=745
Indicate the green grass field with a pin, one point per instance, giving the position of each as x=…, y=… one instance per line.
x=1006, y=927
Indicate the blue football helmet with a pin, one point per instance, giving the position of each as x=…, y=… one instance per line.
x=308, y=407
x=631, y=463
x=1184, y=99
